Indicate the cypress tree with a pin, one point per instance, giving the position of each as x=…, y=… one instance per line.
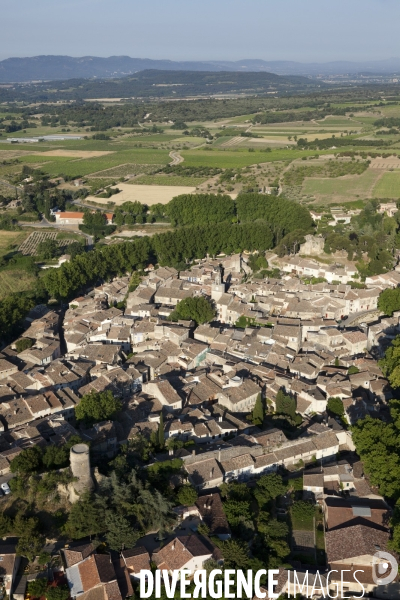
x=258, y=411
x=161, y=432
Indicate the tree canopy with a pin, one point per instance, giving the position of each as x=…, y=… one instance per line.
x=389, y=301
x=186, y=495
x=390, y=363
x=335, y=407
x=281, y=213
x=97, y=406
x=200, y=209
x=197, y=309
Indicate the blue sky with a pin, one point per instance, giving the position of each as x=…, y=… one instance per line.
x=302, y=30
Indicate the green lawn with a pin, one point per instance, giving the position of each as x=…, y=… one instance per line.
x=388, y=186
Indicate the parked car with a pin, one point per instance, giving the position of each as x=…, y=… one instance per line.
x=6, y=488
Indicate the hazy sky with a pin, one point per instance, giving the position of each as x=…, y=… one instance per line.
x=303, y=30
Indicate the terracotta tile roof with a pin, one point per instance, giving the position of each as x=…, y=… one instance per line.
x=96, y=569
x=77, y=553
x=355, y=541
x=212, y=513
x=136, y=559
x=180, y=550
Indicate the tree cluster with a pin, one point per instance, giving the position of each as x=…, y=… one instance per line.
x=197, y=309
x=96, y=407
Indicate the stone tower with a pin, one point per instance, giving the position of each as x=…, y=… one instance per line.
x=217, y=288
x=80, y=467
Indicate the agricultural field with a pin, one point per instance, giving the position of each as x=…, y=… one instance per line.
x=341, y=189
x=172, y=180
x=15, y=280
x=146, y=194
x=136, y=151
x=30, y=244
x=11, y=240
x=388, y=185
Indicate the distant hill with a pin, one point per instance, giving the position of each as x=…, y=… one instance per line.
x=39, y=68
x=161, y=84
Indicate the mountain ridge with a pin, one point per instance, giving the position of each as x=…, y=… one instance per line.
x=61, y=67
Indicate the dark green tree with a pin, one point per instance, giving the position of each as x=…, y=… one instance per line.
x=186, y=495
x=120, y=532
x=389, y=301
x=27, y=462
x=59, y=592
x=97, y=406
x=197, y=309
x=257, y=415
x=37, y=587
x=270, y=487
x=335, y=407
x=85, y=519
x=48, y=249
x=30, y=540
x=285, y=404
x=23, y=344
x=161, y=439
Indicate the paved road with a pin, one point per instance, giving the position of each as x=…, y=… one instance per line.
x=364, y=314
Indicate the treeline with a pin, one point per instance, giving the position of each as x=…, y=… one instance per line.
x=204, y=209
x=200, y=209
x=92, y=115
x=174, y=248
x=309, y=115
x=330, y=168
x=284, y=215
x=129, y=112
x=338, y=142
x=184, y=170
x=388, y=122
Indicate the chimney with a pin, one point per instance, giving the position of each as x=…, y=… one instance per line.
x=193, y=452
x=219, y=455
x=220, y=419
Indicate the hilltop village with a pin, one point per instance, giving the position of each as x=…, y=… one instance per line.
x=280, y=344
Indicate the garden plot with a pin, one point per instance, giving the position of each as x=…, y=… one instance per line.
x=29, y=246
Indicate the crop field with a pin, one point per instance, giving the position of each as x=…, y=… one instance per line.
x=75, y=153
x=16, y=280
x=230, y=159
x=174, y=180
x=388, y=185
x=342, y=189
x=128, y=169
x=10, y=240
x=55, y=166
x=29, y=246
x=146, y=194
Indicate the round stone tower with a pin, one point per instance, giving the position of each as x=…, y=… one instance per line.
x=80, y=467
